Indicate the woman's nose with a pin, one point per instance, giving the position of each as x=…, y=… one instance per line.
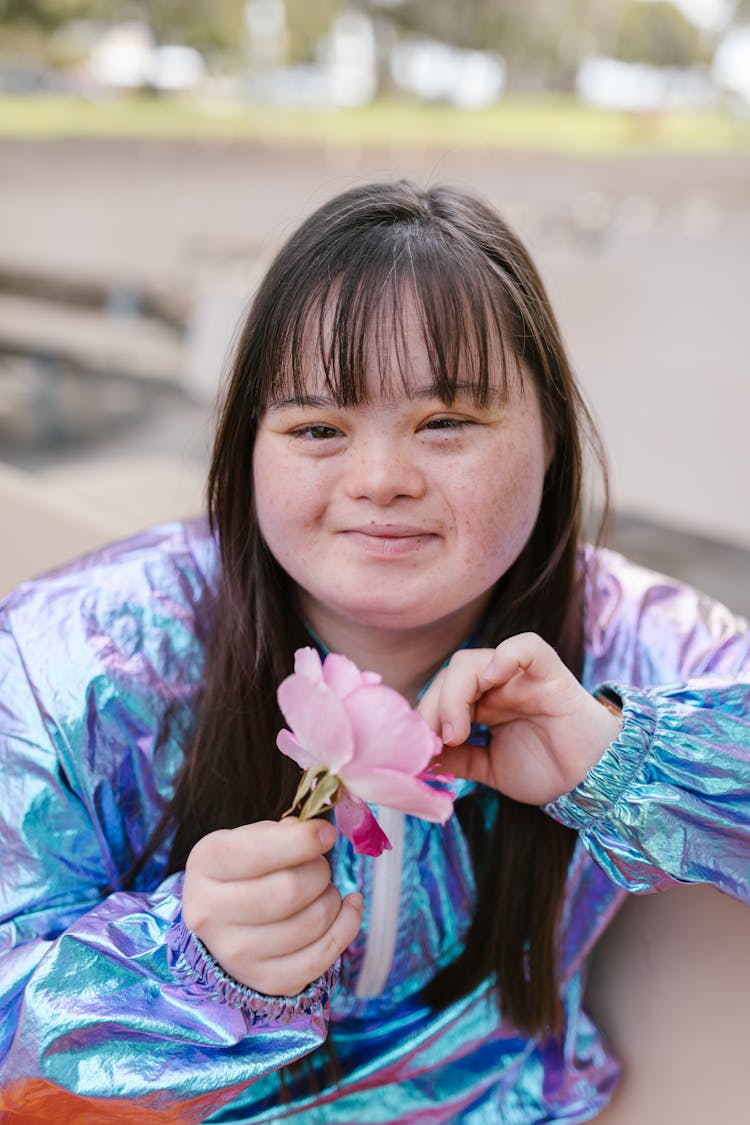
x=382, y=471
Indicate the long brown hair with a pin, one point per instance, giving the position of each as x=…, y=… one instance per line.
x=339, y=279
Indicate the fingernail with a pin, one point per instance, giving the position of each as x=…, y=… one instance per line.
x=357, y=900
x=327, y=835
x=447, y=732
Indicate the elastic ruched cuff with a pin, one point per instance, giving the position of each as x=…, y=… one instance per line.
x=619, y=765
x=192, y=961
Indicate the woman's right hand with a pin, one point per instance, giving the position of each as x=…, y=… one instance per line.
x=261, y=900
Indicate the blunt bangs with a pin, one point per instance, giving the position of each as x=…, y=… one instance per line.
x=345, y=321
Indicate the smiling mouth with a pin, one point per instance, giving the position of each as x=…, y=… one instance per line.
x=390, y=541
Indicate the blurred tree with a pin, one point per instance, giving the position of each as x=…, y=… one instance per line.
x=308, y=21
x=542, y=41
x=28, y=27
x=42, y=13
x=212, y=25
x=473, y=24
x=659, y=34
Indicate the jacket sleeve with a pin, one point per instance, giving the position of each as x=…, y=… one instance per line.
x=109, y=1008
x=669, y=801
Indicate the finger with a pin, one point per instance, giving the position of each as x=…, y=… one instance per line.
x=526, y=675
x=280, y=939
x=525, y=652
x=284, y=893
x=234, y=854
x=471, y=762
x=456, y=696
x=429, y=704
x=294, y=973
x=269, y=898
x=459, y=688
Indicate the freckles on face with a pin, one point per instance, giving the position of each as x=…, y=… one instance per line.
x=399, y=513
x=288, y=502
x=498, y=503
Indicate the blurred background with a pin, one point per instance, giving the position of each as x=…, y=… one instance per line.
x=153, y=157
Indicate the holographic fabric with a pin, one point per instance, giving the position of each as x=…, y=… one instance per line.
x=112, y=1011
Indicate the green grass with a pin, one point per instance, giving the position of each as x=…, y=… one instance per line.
x=557, y=125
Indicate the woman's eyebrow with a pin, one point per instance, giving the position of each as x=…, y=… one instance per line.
x=429, y=390
x=303, y=400
x=425, y=391
x=459, y=390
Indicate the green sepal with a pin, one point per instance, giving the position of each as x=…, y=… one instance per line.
x=322, y=797
x=316, y=792
x=306, y=783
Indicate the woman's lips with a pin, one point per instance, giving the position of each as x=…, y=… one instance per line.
x=390, y=540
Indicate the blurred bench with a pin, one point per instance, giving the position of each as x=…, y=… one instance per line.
x=110, y=341
x=50, y=518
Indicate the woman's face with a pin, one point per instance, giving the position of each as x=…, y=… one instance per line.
x=402, y=512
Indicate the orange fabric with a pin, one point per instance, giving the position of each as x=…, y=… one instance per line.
x=35, y=1101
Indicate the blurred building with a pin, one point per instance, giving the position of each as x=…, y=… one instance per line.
x=435, y=71
x=126, y=57
x=731, y=63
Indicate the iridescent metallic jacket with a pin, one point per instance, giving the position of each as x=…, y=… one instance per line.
x=111, y=1010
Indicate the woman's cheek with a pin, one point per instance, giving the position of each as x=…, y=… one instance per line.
x=508, y=515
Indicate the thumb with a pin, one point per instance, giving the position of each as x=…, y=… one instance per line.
x=467, y=760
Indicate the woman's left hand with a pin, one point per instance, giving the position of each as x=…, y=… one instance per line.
x=546, y=730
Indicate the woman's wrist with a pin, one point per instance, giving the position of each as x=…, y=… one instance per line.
x=600, y=727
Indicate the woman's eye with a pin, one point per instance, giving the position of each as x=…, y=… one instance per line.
x=317, y=432
x=447, y=423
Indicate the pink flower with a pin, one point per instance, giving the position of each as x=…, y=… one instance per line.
x=358, y=741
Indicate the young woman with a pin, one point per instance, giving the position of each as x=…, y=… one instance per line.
x=397, y=477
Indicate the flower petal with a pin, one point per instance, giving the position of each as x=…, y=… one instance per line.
x=355, y=821
x=387, y=733
x=318, y=721
x=343, y=676
x=400, y=791
x=289, y=745
x=307, y=663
